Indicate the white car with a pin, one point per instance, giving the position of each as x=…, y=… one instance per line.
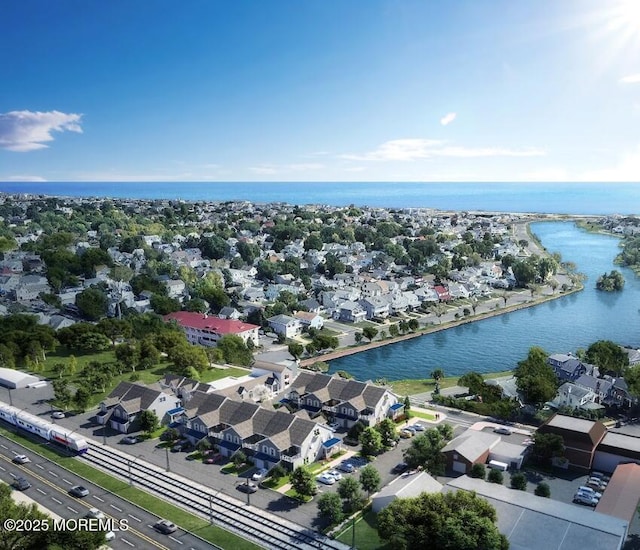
x=326, y=479
x=583, y=498
x=335, y=474
x=58, y=414
x=21, y=459
x=333, y=426
x=589, y=491
x=94, y=513
x=502, y=430
x=259, y=474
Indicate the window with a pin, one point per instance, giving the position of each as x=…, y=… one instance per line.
x=236, y=440
x=162, y=399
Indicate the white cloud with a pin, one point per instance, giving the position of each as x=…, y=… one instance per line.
x=23, y=131
x=448, y=118
x=415, y=149
x=271, y=169
x=22, y=178
x=630, y=79
x=627, y=169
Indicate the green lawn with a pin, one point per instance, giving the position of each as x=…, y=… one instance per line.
x=143, y=499
x=293, y=494
x=412, y=387
x=366, y=534
x=275, y=484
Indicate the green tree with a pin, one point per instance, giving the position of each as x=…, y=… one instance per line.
x=543, y=490
x=478, y=470
x=370, y=479
x=547, y=446
x=473, y=381
x=607, y=356
x=114, y=329
x=277, y=472
x=495, y=476
x=296, y=350
x=535, y=378
x=349, y=491
x=302, y=482
x=238, y=459
x=358, y=337
x=186, y=355
x=387, y=430
x=330, y=507
x=61, y=393
x=425, y=451
x=407, y=406
x=92, y=303
x=149, y=422
x=371, y=442
x=163, y=305
x=234, y=350
x=369, y=333
x=447, y=521
x=82, y=398
x=519, y=481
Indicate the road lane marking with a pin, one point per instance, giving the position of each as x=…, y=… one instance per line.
x=134, y=517
x=41, y=491
x=74, y=511
x=53, y=474
x=127, y=542
x=4, y=446
x=115, y=507
x=66, y=481
x=98, y=498
x=56, y=500
x=40, y=466
x=3, y=469
x=176, y=540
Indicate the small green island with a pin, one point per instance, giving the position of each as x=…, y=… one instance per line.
x=610, y=282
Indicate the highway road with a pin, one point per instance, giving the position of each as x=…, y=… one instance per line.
x=50, y=484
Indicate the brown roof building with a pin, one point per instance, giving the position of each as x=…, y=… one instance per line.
x=581, y=437
x=622, y=495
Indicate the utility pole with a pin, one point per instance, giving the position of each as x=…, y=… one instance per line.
x=166, y=450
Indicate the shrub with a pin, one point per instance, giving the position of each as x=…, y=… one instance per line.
x=519, y=482
x=478, y=470
x=495, y=476
x=543, y=490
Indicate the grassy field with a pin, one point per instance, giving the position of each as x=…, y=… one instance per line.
x=366, y=534
x=161, y=508
x=412, y=387
x=149, y=376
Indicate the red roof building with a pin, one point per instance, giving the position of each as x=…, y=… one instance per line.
x=206, y=331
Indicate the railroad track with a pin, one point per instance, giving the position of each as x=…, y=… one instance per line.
x=266, y=530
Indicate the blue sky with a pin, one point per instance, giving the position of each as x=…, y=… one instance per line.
x=331, y=90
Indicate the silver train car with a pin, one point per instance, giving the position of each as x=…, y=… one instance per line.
x=46, y=430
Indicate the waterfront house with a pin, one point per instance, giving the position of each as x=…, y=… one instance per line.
x=285, y=325
x=309, y=319
x=567, y=367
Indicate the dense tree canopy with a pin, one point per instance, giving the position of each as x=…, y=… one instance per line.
x=446, y=521
x=535, y=378
x=608, y=356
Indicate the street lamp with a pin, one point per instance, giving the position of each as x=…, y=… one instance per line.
x=130, y=461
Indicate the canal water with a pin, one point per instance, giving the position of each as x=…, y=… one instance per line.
x=497, y=344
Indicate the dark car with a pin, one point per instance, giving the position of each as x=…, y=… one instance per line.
x=347, y=467
x=247, y=487
x=21, y=484
x=129, y=440
x=165, y=527
x=400, y=468
x=78, y=491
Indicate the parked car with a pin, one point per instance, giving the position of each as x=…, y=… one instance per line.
x=78, y=491
x=589, y=491
x=58, y=414
x=335, y=474
x=400, y=468
x=326, y=479
x=502, y=430
x=259, y=474
x=582, y=498
x=411, y=429
x=182, y=445
x=596, y=483
x=21, y=484
x=247, y=487
x=347, y=467
x=418, y=427
x=109, y=536
x=406, y=434
x=129, y=440
x=333, y=426
x=212, y=458
x=165, y=527
x=94, y=513
x=21, y=459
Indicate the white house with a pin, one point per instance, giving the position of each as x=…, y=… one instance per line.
x=309, y=319
x=285, y=325
x=206, y=331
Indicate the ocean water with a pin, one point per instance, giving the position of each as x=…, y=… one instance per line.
x=554, y=198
